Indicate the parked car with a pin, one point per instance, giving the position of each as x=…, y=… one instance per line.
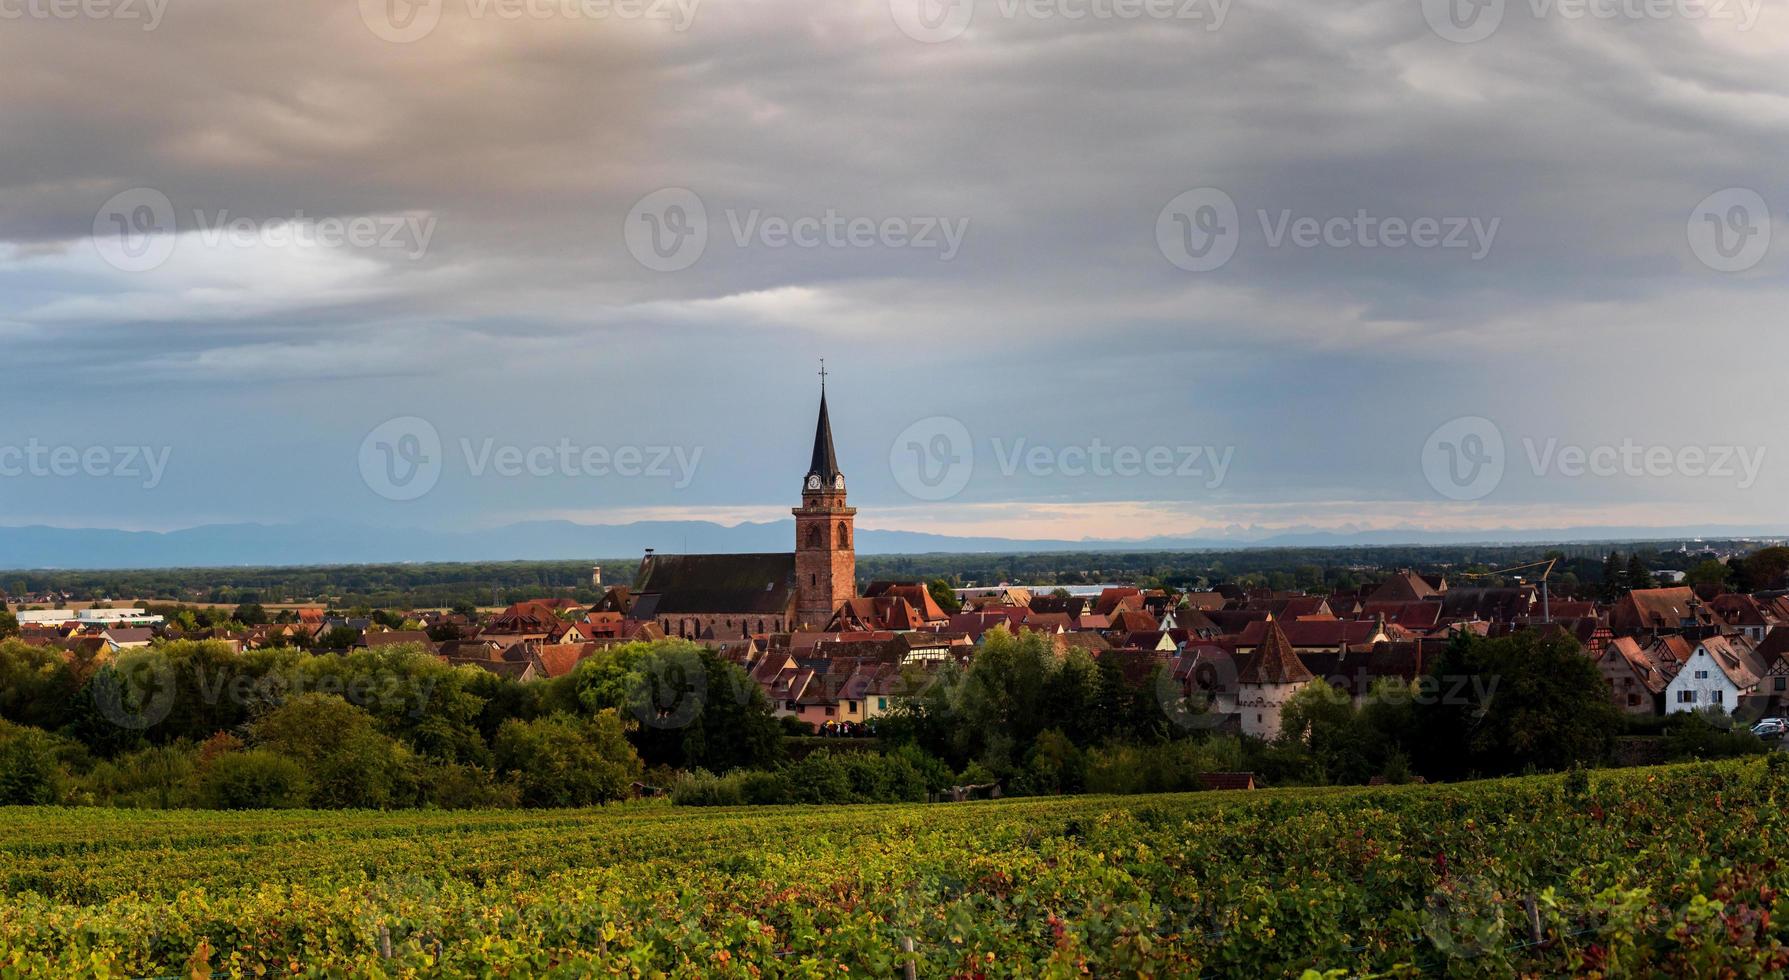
x=1771, y=728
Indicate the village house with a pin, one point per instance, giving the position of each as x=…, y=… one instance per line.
x=1720, y=671
x=1637, y=676
x=1653, y=611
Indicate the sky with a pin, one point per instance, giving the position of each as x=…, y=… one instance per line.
x=1078, y=268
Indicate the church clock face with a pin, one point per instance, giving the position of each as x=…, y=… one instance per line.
x=814, y=482
x=838, y=482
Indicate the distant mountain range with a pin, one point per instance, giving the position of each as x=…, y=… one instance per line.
x=324, y=544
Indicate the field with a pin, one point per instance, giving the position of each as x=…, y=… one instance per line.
x=1648, y=871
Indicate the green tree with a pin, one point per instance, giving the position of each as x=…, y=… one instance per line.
x=250, y=614
x=1614, y=580
x=999, y=703
x=1638, y=575
x=37, y=687
x=693, y=709
x=1709, y=572
x=1766, y=568
x=30, y=770
x=565, y=760
x=1072, y=699
x=338, y=638
x=254, y=780
x=1498, y=706
x=1323, y=719
x=348, y=761
x=9, y=624
x=945, y=596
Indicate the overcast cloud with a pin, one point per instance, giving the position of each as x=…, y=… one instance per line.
x=1012, y=268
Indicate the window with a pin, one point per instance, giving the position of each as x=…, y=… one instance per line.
x=1686, y=697
x=1716, y=697
x=829, y=710
x=1702, y=675
x=850, y=705
x=881, y=704
x=1782, y=683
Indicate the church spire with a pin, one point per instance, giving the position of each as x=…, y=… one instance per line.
x=825, y=464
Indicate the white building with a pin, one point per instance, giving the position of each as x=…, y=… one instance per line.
x=46, y=617
x=117, y=617
x=1721, y=671
x=1267, y=682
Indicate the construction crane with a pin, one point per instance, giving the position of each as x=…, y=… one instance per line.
x=1546, y=605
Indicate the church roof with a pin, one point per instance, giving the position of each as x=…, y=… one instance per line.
x=826, y=462
x=672, y=585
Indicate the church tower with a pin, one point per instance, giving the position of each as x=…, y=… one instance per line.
x=825, y=532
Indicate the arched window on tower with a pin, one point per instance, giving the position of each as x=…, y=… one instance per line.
x=844, y=535
x=814, y=536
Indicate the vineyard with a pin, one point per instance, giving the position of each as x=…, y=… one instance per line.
x=1667, y=871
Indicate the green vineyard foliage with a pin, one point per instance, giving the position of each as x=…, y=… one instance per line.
x=1665, y=872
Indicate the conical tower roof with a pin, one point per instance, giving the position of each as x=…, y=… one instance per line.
x=1275, y=661
x=826, y=462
